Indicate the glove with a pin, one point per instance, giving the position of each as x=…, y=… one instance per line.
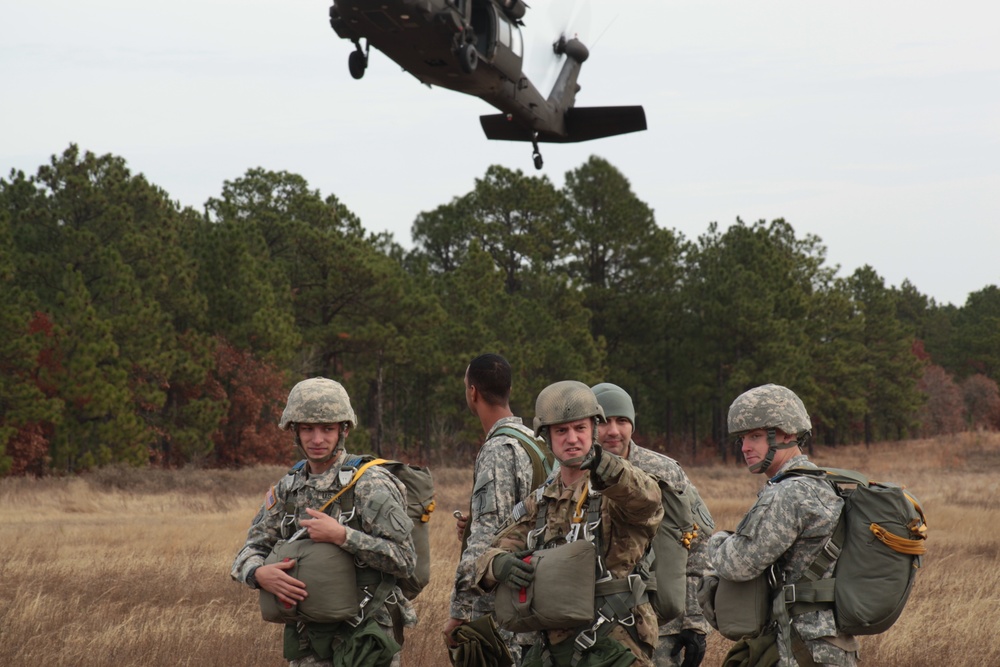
x=606, y=469
x=693, y=644
x=511, y=570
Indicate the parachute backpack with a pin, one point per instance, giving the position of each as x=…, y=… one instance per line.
x=878, y=546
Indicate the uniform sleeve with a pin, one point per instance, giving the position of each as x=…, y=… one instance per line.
x=384, y=543
x=262, y=535
x=635, y=500
x=780, y=516
x=499, y=474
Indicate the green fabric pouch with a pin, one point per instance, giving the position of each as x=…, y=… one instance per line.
x=479, y=645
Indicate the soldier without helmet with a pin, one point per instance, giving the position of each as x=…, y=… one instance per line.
x=319, y=413
x=788, y=525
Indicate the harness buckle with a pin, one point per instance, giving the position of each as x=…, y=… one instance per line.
x=345, y=518
x=356, y=621
x=589, y=528
x=586, y=639
x=788, y=593
x=533, y=535
x=574, y=533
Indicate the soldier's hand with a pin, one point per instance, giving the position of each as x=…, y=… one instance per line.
x=460, y=522
x=693, y=644
x=275, y=579
x=509, y=568
x=605, y=469
x=449, y=631
x=324, y=528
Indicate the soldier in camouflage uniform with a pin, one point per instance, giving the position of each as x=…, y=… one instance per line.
x=566, y=415
x=682, y=640
x=788, y=525
x=502, y=479
x=320, y=414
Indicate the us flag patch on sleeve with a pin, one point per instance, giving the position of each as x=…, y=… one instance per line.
x=270, y=499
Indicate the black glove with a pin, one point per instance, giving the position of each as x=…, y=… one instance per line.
x=511, y=570
x=693, y=644
x=605, y=469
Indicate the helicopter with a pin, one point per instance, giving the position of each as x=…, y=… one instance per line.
x=477, y=47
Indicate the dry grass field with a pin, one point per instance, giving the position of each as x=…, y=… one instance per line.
x=131, y=567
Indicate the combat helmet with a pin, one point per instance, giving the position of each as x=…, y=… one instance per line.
x=565, y=401
x=317, y=401
x=770, y=407
x=615, y=401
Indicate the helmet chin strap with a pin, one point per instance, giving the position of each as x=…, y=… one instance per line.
x=772, y=448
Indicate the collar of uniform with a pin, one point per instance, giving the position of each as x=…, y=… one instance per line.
x=798, y=461
x=504, y=421
x=328, y=479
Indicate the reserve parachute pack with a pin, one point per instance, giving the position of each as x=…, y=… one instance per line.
x=419, y=506
x=878, y=546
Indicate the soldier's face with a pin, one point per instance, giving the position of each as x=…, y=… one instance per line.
x=755, y=446
x=318, y=440
x=615, y=435
x=571, y=439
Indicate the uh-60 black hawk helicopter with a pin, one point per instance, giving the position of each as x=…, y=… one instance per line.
x=477, y=47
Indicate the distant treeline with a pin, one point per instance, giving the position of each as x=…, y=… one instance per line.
x=134, y=330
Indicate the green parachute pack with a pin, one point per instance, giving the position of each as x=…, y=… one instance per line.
x=878, y=546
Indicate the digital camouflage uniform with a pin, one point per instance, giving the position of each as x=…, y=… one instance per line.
x=631, y=510
x=668, y=470
x=384, y=543
x=502, y=479
x=788, y=525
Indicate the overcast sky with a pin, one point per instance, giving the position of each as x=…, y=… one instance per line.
x=873, y=125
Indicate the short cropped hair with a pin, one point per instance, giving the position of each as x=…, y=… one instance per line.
x=490, y=375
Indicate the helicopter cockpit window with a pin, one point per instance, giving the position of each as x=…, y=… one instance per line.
x=516, y=45
x=503, y=31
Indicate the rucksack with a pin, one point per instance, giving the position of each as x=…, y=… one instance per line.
x=419, y=506
x=669, y=549
x=878, y=545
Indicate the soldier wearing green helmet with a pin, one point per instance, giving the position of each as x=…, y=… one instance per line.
x=593, y=498
x=375, y=534
x=789, y=525
x=681, y=640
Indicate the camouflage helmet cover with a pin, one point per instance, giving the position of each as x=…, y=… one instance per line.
x=317, y=401
x=563, y=402
x=615, y=401
x=769, y=406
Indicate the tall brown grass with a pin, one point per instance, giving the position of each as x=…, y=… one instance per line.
x=131, y=567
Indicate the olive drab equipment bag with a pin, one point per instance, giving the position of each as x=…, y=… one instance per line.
x=667, y=587
x=878, y=546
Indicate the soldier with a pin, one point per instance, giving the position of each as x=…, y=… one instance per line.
x=502, y=479
x=618, y=508
x=789, y=524
x=686, y=633
x=319, y=413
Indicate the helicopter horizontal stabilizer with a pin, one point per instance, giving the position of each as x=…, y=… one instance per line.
x=582, y=124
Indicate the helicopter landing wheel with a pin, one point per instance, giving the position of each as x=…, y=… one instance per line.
x=468, y=58
x=357, y=64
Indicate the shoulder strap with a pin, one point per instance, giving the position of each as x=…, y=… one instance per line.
x=541, y=462
x=355, y=478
